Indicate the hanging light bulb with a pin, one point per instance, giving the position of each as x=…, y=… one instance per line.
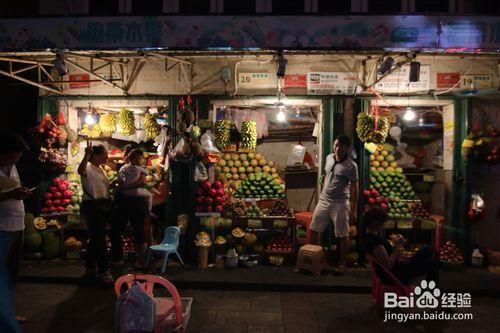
x=281, y=116
x=421, y=121
x=409, y=114
x=92, y=117
x=89, y=119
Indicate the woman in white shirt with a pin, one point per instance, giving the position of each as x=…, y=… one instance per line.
x=97, y=209
x=12, y=194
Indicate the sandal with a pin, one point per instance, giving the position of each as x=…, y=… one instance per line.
x=107, y=279
x=338, y=270
x=21, y=319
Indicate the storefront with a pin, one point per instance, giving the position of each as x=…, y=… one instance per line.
x=272, y=123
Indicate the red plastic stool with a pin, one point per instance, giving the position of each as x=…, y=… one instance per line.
x=438, y=232
x=303, y=220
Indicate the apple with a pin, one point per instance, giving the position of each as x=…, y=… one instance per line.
x=57, y=195
x=53, y=189
x=56, y=202
x=48, y=203
x=48, y=195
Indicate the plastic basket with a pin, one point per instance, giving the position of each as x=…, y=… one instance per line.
x=186, y=315
x=493, y=258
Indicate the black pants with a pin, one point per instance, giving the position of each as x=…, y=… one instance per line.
x=131, y=209
x=423, y=262
x=96, y=219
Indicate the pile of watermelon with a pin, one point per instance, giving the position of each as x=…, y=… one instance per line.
x=211, y=197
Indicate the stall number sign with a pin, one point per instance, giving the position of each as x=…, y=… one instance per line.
x=479, y=81
x=252, y=80
x=399, y=81
x=331, y=83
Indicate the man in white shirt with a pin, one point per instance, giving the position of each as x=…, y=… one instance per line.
x=338, y=201
x=12, y=194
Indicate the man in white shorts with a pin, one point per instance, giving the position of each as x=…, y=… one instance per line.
x=338, y=201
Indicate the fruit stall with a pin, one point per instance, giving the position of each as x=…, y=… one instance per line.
x=242, y=205
x=407, y=163
x=57, y=229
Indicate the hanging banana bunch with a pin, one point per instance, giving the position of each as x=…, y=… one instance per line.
x=249, y=134
x=223, y=133
x=107, y=123
x=151, y=127
x=126, y=122
x=366, y=128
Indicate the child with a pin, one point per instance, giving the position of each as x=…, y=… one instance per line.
x=132, y=173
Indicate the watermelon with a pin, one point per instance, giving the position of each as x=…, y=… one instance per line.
x=50, y=245
x=32, y=242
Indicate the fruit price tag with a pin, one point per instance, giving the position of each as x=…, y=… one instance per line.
x=429, y=178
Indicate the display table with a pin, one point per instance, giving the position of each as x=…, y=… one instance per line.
x=265, y=226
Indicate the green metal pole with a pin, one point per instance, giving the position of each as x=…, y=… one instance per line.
x=461, y=179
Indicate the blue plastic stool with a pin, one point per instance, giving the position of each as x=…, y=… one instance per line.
x=168, y=245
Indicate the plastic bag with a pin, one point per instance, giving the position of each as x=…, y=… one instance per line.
x=207, y=142
x=181, y=149
x=200, y=172
x=296, y=156
x=135, y=311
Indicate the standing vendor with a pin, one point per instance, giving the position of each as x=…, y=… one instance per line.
x=338, y=201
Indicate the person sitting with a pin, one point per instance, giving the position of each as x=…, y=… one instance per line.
x=132, y=174
x=421, y=263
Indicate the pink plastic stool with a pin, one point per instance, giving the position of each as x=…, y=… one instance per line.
x=164, y=306
x=304, y=220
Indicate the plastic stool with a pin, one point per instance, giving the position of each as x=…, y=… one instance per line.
x=303, y=220
x=311, y=258
x=438, y=231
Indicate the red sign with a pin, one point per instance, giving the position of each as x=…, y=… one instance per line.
x=447, y=80
x=77, y=81
x=295, y=80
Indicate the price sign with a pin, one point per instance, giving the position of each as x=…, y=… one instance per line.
x=253, y=80
x=478, y=81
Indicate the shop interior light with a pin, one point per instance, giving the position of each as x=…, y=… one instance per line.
x=281, y=116
x=385, y=66
x=409, y=114
x=280, y=105
x=89, y=119
x=92, y=117
x=421, y=121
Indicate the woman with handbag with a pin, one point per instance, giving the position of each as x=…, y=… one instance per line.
x=97, y=209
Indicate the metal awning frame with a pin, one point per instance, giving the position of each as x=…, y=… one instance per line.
x=122, y=71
